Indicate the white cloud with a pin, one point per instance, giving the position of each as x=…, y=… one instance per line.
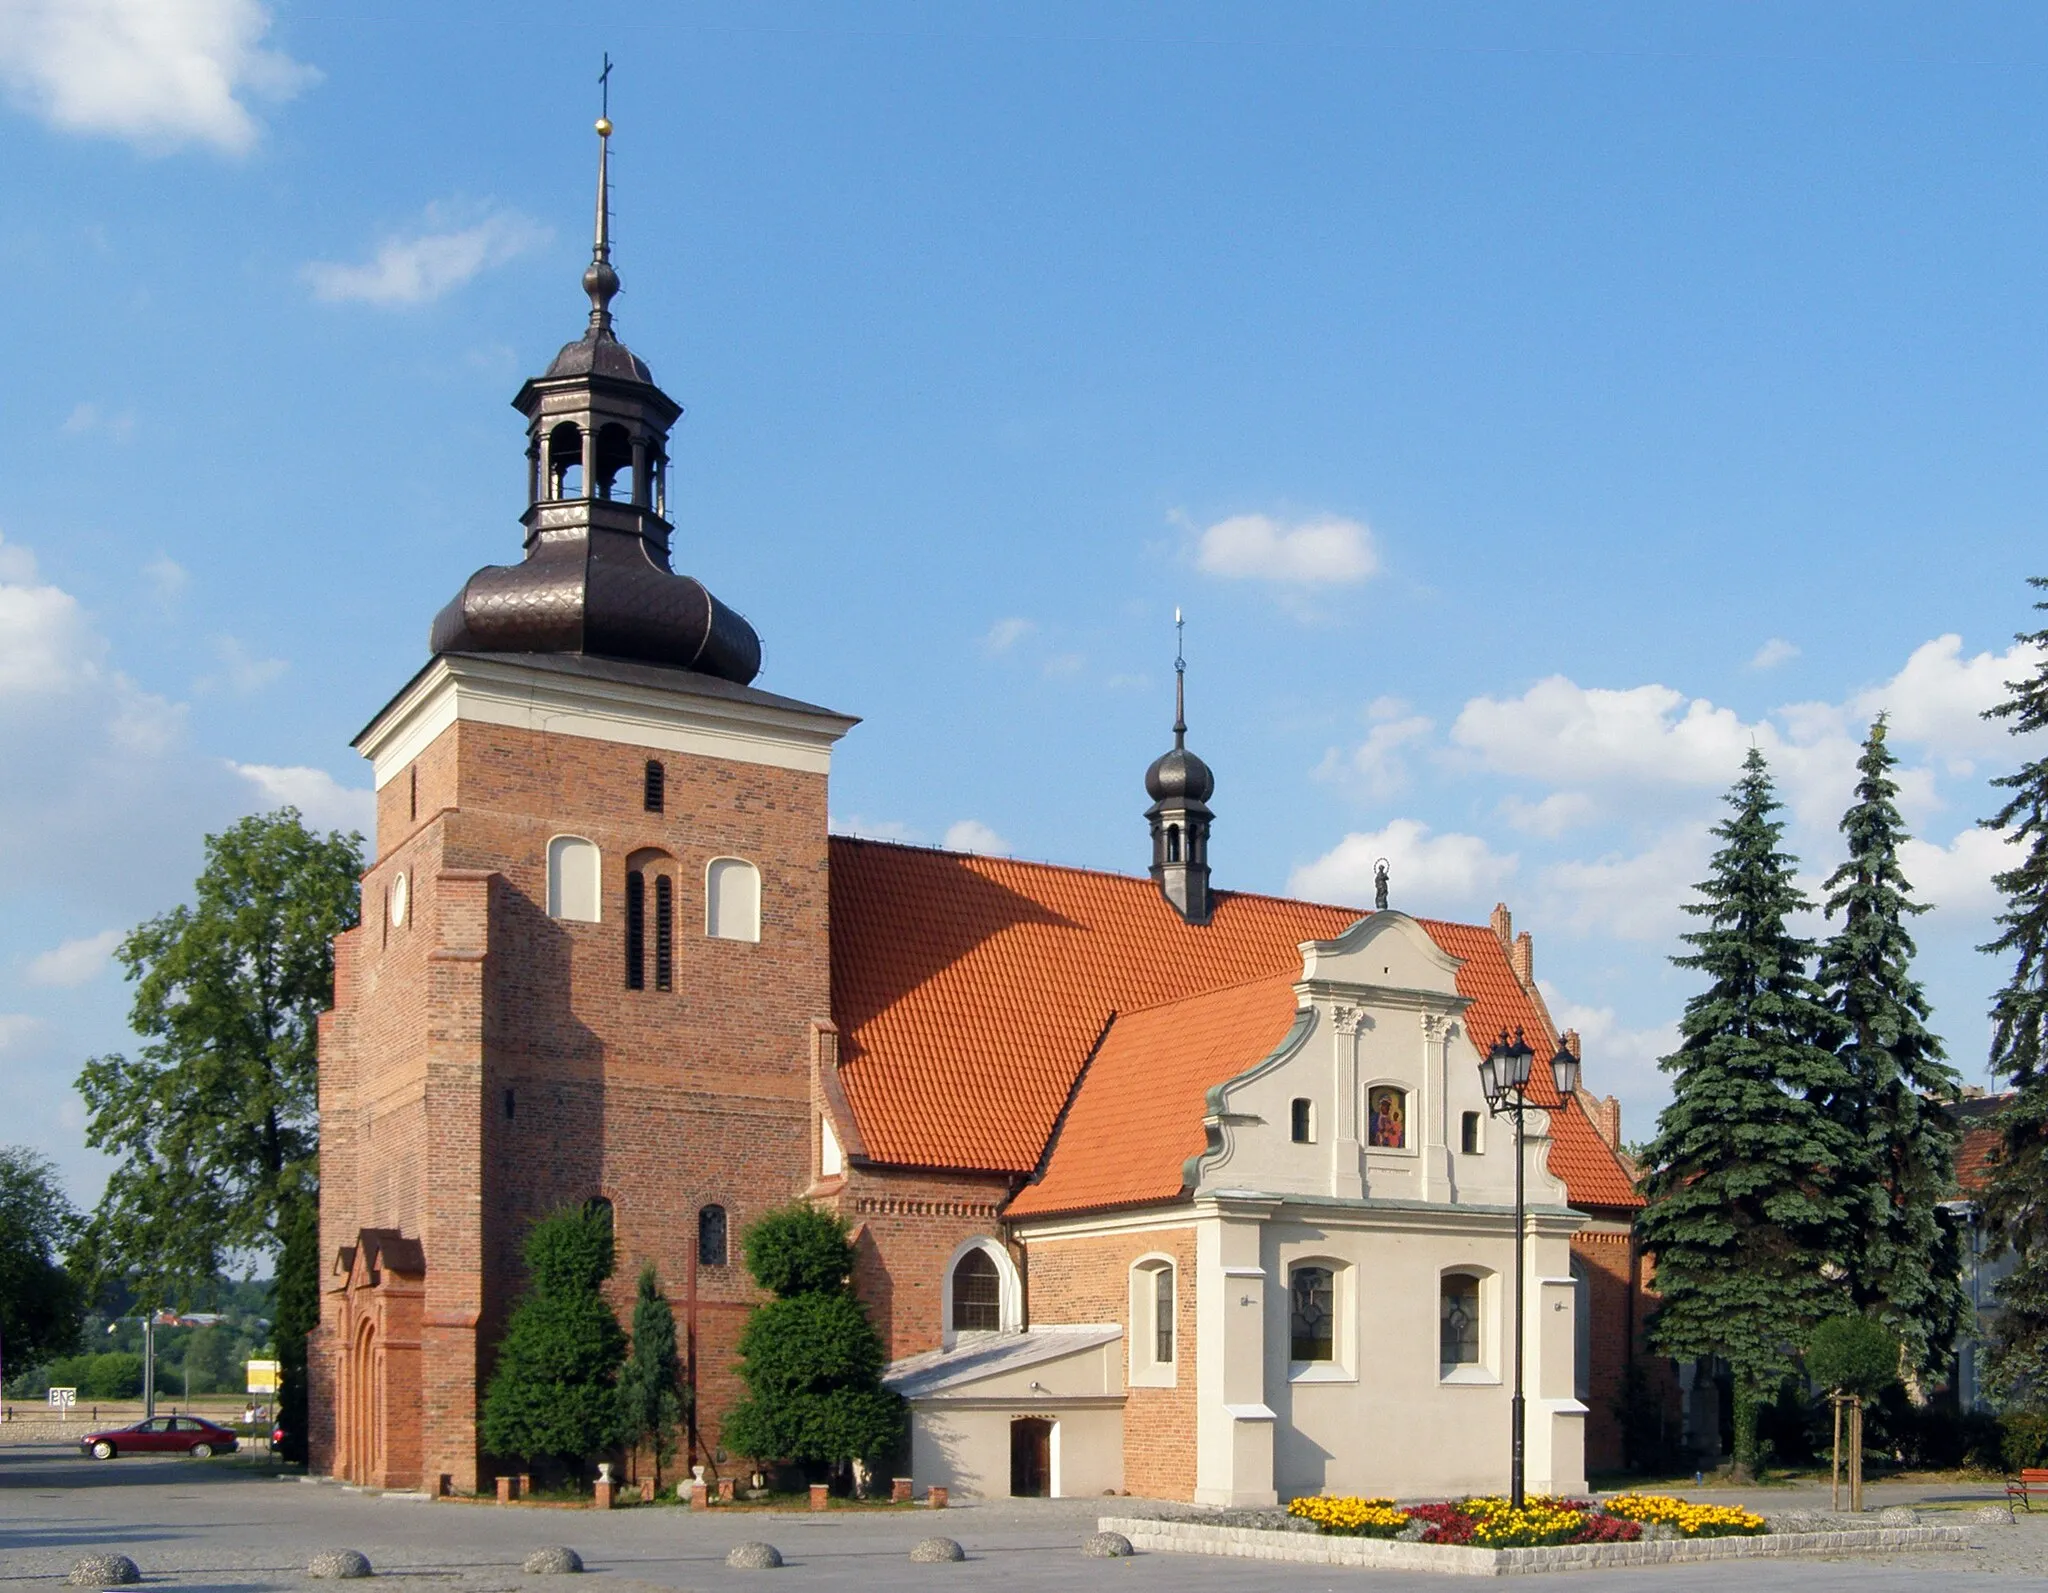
x=971, y=835
x=17, y=563
x=88, y=418
x=45, y=644
x=1774, y=652
x=1619, y=1060
x=873, y=829
x=16, y=1030
x=421, y=266
x=1428, y=873
x=241, y=673
x=1632, y=896
x=1006, y=634
x=75, y=962
x=1957, y=877
x=1556, y=813
x=1325, y=551
x=1376, y=765
x=157, y=73
x=324, y=800
x=1939, y=698
x=167, y=578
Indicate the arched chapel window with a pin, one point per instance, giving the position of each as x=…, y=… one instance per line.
x=1312, y=1314
x=977, y=1294
x=711, y=1236
x=732, y=900
x=1173, y=843
x=1458, y=1320
x=573, y=879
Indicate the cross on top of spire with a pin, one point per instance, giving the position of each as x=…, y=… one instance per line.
x=600, y=281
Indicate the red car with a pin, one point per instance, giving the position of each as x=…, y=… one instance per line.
x=161, y=1435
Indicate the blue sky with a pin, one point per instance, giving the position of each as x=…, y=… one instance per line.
x=1530, y=406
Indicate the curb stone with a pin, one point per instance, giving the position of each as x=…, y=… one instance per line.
x=1183, y=1537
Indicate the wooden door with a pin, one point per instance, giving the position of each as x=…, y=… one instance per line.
x=1030, y=1457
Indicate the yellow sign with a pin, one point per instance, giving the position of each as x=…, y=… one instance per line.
x=265, y=1376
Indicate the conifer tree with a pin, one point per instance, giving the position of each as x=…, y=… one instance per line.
x=1747, y=1169
x=1904, y=1267
x=651, y=1382
x=553, y=1394
x=2016, y=1202
x=811, y=1358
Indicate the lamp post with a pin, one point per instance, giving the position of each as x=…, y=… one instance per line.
x=1504, y=1076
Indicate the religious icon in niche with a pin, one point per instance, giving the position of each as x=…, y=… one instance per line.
x=1387, y=1110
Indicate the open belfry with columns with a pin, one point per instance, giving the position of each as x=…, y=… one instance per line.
x=1155, y=1187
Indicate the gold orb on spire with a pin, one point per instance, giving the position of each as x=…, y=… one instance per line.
x=604, y=127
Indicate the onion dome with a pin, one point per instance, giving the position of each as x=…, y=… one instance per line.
x=596, y=577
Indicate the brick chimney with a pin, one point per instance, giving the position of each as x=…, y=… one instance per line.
x=1523, y=958
x=1504, y=925
x=1606, y=1117
x=1570, y=1041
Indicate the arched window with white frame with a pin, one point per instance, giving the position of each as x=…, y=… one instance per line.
x=573, y=890
x=732, y=899
x=981, y=1292
x=1154, y=1321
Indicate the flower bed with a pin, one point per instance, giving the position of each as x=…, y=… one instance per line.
x=1490, y=1522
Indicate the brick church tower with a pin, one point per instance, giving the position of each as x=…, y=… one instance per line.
x=592, y=962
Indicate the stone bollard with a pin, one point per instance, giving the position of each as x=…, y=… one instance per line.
x=504, y=1490
x=104, y=1571
x=753, y=1557
x=700, y=1496
x=821, y=1496
x=725, y=1487
x=899, y=1490
x=554, y=1561
x=345, y=1565
x=935, y=1498
x=936, y=1551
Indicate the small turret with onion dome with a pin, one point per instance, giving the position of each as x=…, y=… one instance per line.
x=1180, y=786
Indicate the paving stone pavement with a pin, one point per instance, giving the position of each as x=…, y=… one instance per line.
x=198, y=1526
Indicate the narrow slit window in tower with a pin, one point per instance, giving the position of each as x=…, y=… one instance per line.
x=711, y=1236
x=664, y=933
x=1173, y=843
x=636, y=930
x=654, y=792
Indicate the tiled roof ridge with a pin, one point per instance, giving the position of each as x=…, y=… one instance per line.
x=933, y=849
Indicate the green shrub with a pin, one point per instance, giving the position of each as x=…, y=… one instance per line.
x=553, y=1393
x=1854, y=1354
x=811, y=1359
x=112, y=1374
x=798, y=1249
x=2025, y=1441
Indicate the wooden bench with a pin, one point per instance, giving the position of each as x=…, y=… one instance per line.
x=2029, y=1485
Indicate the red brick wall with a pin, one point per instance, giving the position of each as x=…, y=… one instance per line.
x=906, y=1227
x=1088, y=1280
x=659, y=1101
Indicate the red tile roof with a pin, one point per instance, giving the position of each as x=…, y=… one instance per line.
x=1981, y=1141
x=970, y=990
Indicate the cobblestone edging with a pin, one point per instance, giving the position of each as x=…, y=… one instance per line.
x=1250, y=1543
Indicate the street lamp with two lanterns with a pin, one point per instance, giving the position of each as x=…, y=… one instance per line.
x=1504, y=1076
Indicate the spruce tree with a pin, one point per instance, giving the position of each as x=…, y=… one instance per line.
x=651, y=1382
x=2016, y=1203
x=1904, y=1267
x=553, y=1393
x=811, y=1359
x=1748, y=1216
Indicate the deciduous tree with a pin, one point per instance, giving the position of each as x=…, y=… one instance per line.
x=212, y=1124
x=41, y=1303
x=1749, y=1175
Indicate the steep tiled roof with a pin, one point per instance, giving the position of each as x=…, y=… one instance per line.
x=969, y=992
x=1980, y=1142
x=1137, y=1117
